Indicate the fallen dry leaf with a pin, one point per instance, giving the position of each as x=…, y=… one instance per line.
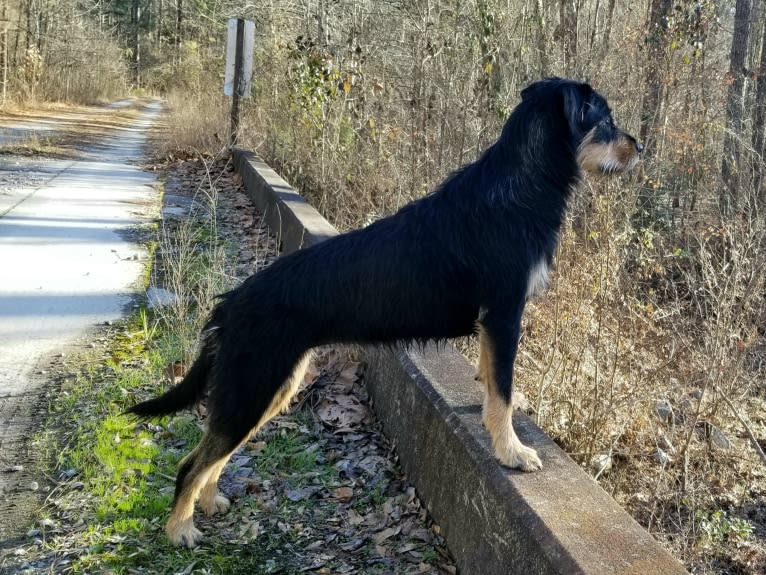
x=256, y=446
x=342, y=411
x=343, y=494
x=386, y=534
x=302, y=493
x=312, y=372
x=174, y=372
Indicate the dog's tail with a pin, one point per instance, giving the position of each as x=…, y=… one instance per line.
x=192, y=388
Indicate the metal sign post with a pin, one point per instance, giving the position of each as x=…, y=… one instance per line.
x=237, y=81
x=239, y=67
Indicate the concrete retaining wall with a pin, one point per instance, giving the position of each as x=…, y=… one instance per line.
x=496, y=521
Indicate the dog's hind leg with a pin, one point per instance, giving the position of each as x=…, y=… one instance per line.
x=212, y=502
x=288, y=390
x=227, y=429
x=194, y=472
x=499, y=341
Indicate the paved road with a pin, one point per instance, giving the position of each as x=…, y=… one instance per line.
x=66, y=264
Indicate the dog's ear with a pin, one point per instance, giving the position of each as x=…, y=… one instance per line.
x=576, y=97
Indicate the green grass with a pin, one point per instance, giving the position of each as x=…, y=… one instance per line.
x=287, y=452
x=127, y=471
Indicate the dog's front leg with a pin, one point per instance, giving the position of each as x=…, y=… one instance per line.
x=483, y=363
x=499, y=340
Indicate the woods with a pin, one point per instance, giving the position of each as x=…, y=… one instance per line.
x=649, y=347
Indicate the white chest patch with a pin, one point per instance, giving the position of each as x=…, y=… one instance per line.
x=538, y=278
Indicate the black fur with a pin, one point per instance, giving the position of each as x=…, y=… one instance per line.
x=429, y=272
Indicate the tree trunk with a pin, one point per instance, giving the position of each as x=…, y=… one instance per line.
x=568, y=34
x=759, y=118
x=656, y=41
x=135, y=16
x=28, y=31
x=321, y=28
x=542, y=43
x=4, y=50
x=179, y=22
x=158, y=23
x=607, y=31
x=732, y=147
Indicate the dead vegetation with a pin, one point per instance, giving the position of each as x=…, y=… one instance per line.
x=645, y=362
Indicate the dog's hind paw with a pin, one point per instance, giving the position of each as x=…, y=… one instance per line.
x=218, y=504
x=184, y=534
x=520, y=457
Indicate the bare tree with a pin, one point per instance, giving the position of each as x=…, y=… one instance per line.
x=135, y=17
x=732, y=149
x=542, y=41
x=179, y=24
x=656, y=42
x=759, y=115
x=567, y=34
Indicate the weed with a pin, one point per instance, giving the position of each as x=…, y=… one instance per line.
x=148, y=325
x=430, y=555
x=719, y=528
x=292, y=452
x=193, y=268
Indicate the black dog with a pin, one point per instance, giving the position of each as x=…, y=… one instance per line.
x=461, y=260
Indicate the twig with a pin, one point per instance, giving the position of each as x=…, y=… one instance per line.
x=751, y=435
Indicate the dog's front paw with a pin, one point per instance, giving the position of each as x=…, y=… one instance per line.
x=184, y=533
x=520, y=457
x=218, y=504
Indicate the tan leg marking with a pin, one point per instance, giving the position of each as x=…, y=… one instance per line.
x=281, y=400
x=481, y=369
x=210, y=454
x=210, y=501
x=497, y=416
x=210, y=457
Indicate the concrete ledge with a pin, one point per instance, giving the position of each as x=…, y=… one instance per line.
x=496, y=521
x=291, y=218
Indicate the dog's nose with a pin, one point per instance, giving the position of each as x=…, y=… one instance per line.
x=639, y=147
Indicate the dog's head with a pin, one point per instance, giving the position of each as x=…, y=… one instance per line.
x=601, y=146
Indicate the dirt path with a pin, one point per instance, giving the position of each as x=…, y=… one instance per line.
x=68, y=258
